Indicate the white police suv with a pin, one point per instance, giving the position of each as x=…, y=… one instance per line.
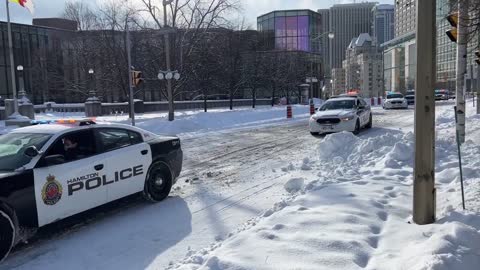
x=395, y=101
x=341, y=113
x=55, y=169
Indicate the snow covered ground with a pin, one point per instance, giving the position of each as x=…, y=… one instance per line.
x=347, y=206
x=353, y=210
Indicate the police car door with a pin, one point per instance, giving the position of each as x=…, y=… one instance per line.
x=64, y=187
x=128, y=159
x=363, y=112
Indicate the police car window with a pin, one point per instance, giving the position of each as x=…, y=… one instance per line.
x=135, y=137
x=363, y=103
x=74, y=146
x=112, y=139
x=12, y=148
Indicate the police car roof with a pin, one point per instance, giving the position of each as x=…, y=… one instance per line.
x=55, y=128
x=343, y=98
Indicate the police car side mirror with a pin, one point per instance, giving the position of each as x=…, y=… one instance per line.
x=54, y=160
x=31, y=151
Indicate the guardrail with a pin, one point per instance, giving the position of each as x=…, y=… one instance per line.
x=142, y=107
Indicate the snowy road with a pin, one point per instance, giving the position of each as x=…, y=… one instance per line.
x=229, y=177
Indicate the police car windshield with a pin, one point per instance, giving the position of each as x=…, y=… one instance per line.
x=338, y=105
x=394, y=96
x=12, y=148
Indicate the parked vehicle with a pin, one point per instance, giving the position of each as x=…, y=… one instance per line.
x=442, y=94
x=410, y=97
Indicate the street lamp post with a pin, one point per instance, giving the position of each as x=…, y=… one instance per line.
x=171, y=115
x=331, y=35
x=21, y=93
x=168, y=75
x=92, y=93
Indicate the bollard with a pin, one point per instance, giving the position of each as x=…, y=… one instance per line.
x=312, y=109
x=379, y=100
x=373, y=101
x=289, y=112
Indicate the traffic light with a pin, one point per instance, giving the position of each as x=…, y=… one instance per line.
x=137, y=78
x=453, y=20
x=477, y=54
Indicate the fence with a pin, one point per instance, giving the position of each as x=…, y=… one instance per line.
x=142, y=107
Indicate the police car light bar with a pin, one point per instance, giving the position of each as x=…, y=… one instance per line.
x=77, y=122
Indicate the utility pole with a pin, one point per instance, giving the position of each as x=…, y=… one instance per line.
x=130, y=79
x=12, y=63
x=424, y=196
x=461, y=66
x=171, y=114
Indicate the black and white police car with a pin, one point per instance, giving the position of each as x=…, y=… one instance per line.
x=60, y=168
x=342, y=113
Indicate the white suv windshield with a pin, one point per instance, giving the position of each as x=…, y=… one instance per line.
x=13, y=145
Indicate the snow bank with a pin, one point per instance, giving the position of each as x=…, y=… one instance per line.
x=357, y=214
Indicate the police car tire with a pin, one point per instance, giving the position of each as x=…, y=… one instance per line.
x=154, y=192
x=7, y=234
x=357, y=128
x=370, y=122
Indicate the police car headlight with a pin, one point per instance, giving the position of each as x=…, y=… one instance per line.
x=346, y=119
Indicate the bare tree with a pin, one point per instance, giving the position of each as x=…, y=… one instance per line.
x=81, y=13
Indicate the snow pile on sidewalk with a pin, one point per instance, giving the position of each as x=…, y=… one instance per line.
x=356, y=213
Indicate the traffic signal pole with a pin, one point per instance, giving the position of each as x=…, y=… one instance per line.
x=461, y=66
x=424, y=196
x=130, y=77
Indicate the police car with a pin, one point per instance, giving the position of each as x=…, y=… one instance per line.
x=395, y=101
x=55, y=169
x=341, y=113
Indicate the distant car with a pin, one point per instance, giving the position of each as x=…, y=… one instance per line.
x=395, y=101
x=452, y=95
x=410, y=97
x=60, y=168
x=442, y=94
x=341, y=114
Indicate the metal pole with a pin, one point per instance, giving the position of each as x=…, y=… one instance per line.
x=130, y=79
x=171, y=114
x=478, y=88
x=12, y=64
x=460, y=162
x=461, y=66
x=424, y=171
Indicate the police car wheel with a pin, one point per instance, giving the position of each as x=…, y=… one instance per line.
x=357, y=128
x=158, y=183
x=7, y=234
x=370, y=122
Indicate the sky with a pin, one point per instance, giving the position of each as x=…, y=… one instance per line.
x=251, y=8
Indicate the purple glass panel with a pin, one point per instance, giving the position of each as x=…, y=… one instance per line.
x=303, y=26
x=281, y=43
x=292, y=43
x=292, y=28
x=280, y=27
x=303, y=44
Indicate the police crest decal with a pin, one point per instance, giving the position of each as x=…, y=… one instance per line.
x=51, y=191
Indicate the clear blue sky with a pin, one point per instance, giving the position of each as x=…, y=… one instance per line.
x=251, y=8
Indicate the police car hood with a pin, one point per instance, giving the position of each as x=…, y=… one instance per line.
x=334, y=113
x=395, y=99
x=6, y=174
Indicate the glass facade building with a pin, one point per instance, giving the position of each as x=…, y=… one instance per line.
x=291, y=30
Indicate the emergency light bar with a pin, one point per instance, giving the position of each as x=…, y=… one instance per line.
x=76, y=122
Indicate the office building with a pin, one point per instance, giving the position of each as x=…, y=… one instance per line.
x=383, y=23
x=363, y=67
x=405, y=17
x=348, y=21
x=338, y=81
